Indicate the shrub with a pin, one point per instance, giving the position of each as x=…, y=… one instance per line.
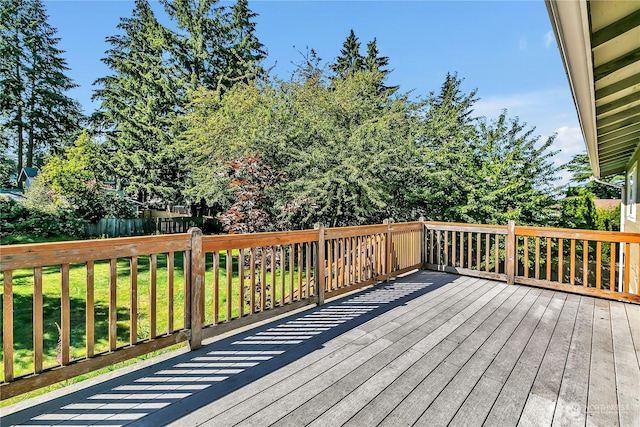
x=21, y=224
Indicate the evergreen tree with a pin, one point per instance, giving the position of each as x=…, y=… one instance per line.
x=214, y=47
x=581, y=174
x=512, y=176
x=33, y=104
x=350, y=59
x=243, y=52
x=444, y=134
x=374, y=63
x=138, y=106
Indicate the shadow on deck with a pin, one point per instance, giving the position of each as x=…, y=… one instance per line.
x=428, y=349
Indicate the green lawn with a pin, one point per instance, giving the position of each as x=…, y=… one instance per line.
x=23, y=304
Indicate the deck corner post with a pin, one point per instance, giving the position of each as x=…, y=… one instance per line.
x=196, y=285
x=387, y=248
x=510, y=255
x=319, y=268
x=423, y=237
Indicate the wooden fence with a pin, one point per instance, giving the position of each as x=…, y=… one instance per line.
x=117, y=227
x=597, y=263
x=116, y=299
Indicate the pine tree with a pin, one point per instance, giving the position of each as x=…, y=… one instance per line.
x=243, y=52
x=374, y=63
x=350, y=59
x=33, y=103
x=214, y=47
x=138, y=106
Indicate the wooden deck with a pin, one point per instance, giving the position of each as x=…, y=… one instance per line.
x=428, y=349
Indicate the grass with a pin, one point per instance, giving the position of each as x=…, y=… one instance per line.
x=23, y=307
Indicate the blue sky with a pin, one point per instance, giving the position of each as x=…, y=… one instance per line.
x=505, y=49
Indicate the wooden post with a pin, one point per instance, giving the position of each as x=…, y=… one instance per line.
x=510, y=256
x=423, y=242
x=387, y=248
x=196, y=288
x=320, y=278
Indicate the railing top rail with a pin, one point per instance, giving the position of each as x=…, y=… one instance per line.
x=252, y=240
x=404, y=226
x=358, y=230
x=567, y=233
x=475, y=228
x=79, y=251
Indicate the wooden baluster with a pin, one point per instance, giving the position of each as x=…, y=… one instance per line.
x=487, y=251
x=153, y=300
x=300, y=271
x=38, y=340
x=612, y=267
x=291, y=269
x=186, y=288
x=560, y=259
x=252, y=280
x=113, y=314
x=216, y=288
x=536, y=274
x=7, y=324
x=431, y=247
x=598, y=264
x=585, y=263
x=241, y=282
x=497, y=260
x=572, y=267
x=329, y=265
x=133, y=301
x=307, y=270
x=283, y=274
x=627, y=267
x=462, y=249
x=548, y=278
x=229, y=273
x=273, y=277
x=469, y=250
x=478, y=258
x=263, y=278
x=170, y=279
x=446, y=248
x=454, y=248
x=525, y=243
x=349, y=255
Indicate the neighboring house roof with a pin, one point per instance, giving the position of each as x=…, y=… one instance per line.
x=599, y=42
x=28, y=173
x=607, y=203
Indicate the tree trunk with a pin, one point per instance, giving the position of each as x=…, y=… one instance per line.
x=20, y=142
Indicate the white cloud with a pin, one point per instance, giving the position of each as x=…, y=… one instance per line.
x=524, y=104
x=522, y=43
x=548, y=39
x=570, y=142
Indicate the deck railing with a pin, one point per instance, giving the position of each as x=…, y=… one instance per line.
x=598, y=263
x=73, y=307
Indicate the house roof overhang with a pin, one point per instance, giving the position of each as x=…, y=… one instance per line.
x=599, y=43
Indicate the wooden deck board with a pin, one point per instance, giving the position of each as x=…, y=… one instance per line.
x=316, y=396
x=512, y=398
x=428, y=349
x=602, y=403
x=541, y=402
x=626, y=366
x=275, y=399
x=571, y=407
